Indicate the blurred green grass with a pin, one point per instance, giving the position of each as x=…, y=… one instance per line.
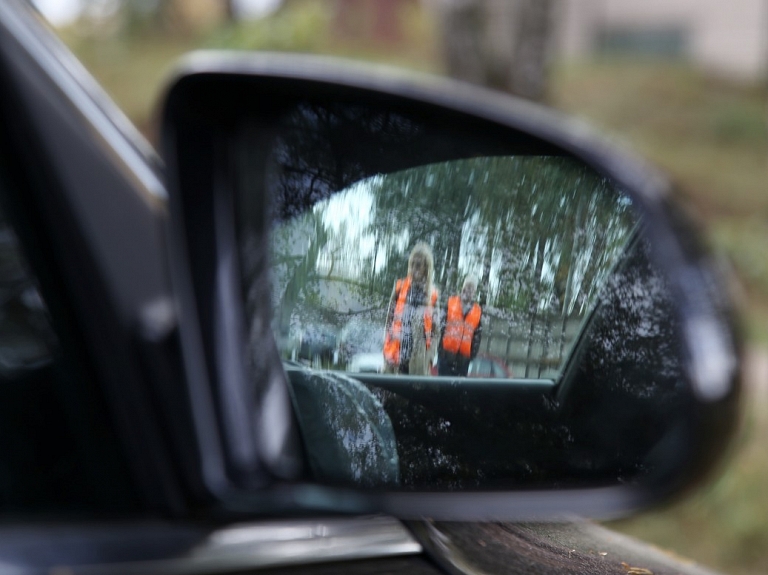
x=723, y=525
x=709, y=135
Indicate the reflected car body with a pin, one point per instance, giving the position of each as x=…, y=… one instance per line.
x=484, y=365
x=366, y=363
x=317, y=342
x=360, y=336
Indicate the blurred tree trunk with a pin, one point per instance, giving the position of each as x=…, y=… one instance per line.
x=230, y=12
x=503, y=44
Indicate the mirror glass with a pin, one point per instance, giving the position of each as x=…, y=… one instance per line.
x=456, y=305
x=513, y=252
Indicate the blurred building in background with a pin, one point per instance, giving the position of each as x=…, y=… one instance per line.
x=726, y=38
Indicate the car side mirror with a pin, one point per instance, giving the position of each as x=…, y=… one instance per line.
x=426, y=299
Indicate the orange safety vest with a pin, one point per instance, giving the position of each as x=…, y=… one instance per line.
x=459, y=330
x=395, y=332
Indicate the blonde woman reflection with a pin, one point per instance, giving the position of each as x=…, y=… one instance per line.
x=411, y=330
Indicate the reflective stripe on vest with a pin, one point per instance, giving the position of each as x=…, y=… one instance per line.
x=394, y=334
x=459, y=330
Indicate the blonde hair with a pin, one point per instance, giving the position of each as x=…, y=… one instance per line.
x=425, y=251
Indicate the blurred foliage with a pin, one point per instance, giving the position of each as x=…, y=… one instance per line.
x=317, y=27
x=299, y=27
x=132, y=56
x=709, y=135
x=132, y=72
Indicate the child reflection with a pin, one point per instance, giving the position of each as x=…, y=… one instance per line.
x=461, y=331
x=411, y=328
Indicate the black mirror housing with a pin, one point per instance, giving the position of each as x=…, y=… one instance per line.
x=229, y=138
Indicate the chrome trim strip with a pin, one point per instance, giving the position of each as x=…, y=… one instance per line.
x=276, y=543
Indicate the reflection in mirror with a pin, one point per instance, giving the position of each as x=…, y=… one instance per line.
x=26, y=337
x=486, y=266
x=455, y=311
